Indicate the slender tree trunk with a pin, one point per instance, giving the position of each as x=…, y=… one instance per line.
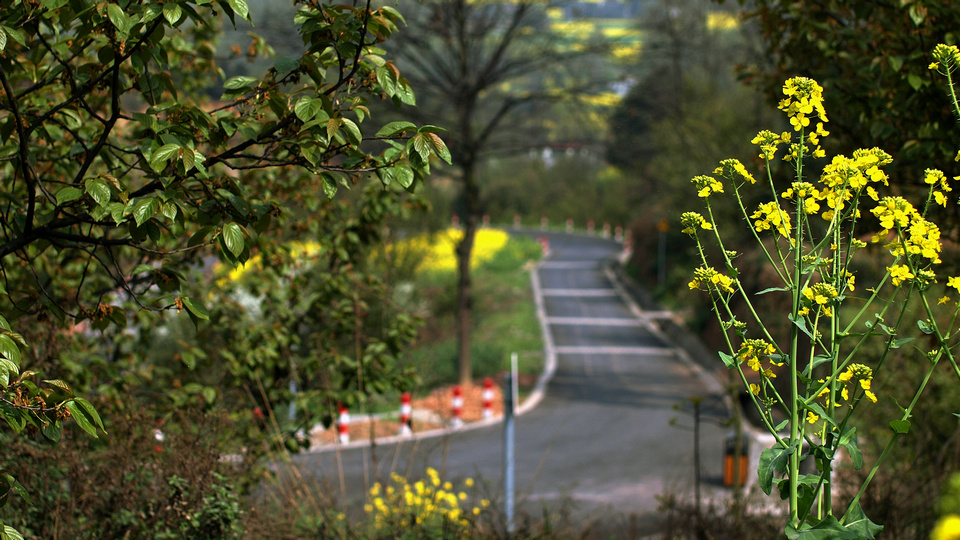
x=471, y=202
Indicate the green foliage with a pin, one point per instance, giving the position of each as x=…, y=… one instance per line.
x=132, y=484
x=871, y=58
x=123, y=180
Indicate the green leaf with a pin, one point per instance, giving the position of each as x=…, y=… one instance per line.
x=172, y=13
x=423, y=145
x=60, y=384
x=3, y=39
x=329, y=185
x=915, y=81
x=306, y=108
x=52, y=431
x=285, y=64
x=195, y=308
x=68, y=194
x=772, y=289
x=12, y=416
x=163, y=154
x=9, y=349
x=801, y=324
x=849, y=441
x=917, y=15
x=772, y=459
x=857, y=521
x=189, y=159
x=895, y=62
x=729, y=361
x=395, y=128
x=11, y=533
x=827, y=528
x=118, y=18
x=16, y=34
x=90, y=411
x=239, y=7
x=353, y=131
x=240, y=82
x=80, y=417
x=233, y=238
x=897, y=343
x=404, y=174
x=98, y=190
x=431, y=129
x=900, y=426
x=818, y=410
x=145, y=209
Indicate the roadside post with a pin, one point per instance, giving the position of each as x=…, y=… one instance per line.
x=509, y=404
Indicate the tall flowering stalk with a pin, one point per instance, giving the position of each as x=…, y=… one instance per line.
x=809, y=234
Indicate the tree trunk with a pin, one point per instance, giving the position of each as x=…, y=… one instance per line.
x=471, y=202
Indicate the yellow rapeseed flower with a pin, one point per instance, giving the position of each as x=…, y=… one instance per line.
x=706, y=186
x=900, y=273
x=947, y=528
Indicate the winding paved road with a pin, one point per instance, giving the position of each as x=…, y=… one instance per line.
x=602, y=441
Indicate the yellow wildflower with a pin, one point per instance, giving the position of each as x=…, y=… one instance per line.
x=947, y=528
x=692, y=220
x=706, y=186
x=900, y=273
x=770, y=216
x=707, y=278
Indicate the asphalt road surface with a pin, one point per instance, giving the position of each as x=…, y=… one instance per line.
x=613, y=431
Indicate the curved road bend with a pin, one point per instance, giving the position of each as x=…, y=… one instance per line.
x=601, y=441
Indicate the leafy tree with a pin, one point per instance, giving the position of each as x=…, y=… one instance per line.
x=120, y=175
x=489, y=70
x=871, y=58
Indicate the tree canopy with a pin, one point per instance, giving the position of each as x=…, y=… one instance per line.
x=128, y=163
x=871, y=58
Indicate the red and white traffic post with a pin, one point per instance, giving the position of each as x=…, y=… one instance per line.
x=488, y=398
x=405, y=411
x=457, y=405
x=343, y=425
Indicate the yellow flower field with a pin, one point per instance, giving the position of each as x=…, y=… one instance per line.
x=439, y=250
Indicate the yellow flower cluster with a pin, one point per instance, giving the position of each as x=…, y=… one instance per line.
x=706, y=186
x=426, y=504
x=691, y=221
x=769, y=142
x=752, y=351
x=819, y=295
x=855, y=372
x=946, y=58
x=860, y=373
x=706, y=278
x=770, y=216
x=900, y=273
x=733, y=170
x=804, y=97
x=935, y=177
x=844, y=178
x=921, y=237
x=805, y=192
